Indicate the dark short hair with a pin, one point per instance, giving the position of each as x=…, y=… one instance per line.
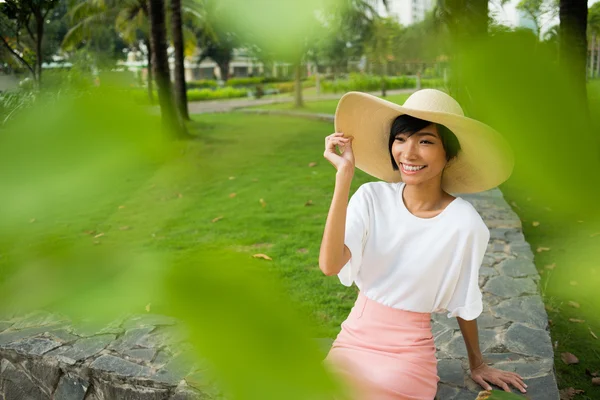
x=408, y=124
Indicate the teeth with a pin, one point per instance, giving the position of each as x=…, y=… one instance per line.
x=409, y=168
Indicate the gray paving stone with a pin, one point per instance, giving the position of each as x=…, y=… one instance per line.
x=522, y=250
x=517, y=268
x=82, y=349
x=443, y=338
x=10, y=335
x=522, y=339
x=37, y=319
x=71, y=388
x=543, y=388
x=119, y=366
x=486, y=320
x=148, y=320
x=61, y=335
x=528, y=310
x=141, y=354
x=487, y=271
x=451, y=371
x=506, y=286
x=16, y=384
x=35, y=346
x=445, y=392
x=443, y=319
x=131, y=338
x=456, y=346
x=527, y=368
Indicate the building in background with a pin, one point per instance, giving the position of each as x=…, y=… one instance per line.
x=406, y=12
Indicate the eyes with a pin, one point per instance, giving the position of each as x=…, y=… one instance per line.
x=402, y=140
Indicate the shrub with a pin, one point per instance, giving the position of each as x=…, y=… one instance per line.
x=208, y=94
x=370, y=83
x=235, y=82
x=202, y=84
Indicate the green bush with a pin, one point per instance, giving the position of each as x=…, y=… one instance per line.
x=208, y=94
x=202, y=84
x=235, y=82
x=370, y=83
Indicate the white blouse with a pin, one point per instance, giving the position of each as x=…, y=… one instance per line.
x=416, y=264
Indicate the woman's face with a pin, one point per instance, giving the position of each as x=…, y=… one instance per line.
x=420, y=157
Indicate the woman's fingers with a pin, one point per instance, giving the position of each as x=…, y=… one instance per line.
x=482, y=382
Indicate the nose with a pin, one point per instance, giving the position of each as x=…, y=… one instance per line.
x=410, y=150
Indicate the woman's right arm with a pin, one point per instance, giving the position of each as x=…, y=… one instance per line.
x=334, y=254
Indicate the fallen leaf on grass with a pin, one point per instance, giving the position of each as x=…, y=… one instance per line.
x=98, y=235
x=593, y=334
x=312, y=164
x=573, y=283
x=574, y=304
x=232, y=195
x=514, y=204
x=569, y=393
x=497, y=395
x=547, y=209
x=179, y=195
x=125, y=228
x=580, y=221
x=148, y=307
x=540, y=249
x=303, y=250
x=550, y=266
x=89, y=232
x=595, y=234
x=121, y=207
x=309, y=203
x=263, y=203
x=32, y=220
x=596, y=381
x=264, y=256
x=579, y=321
x=535, y=223
x=231, y=178
x=97, y=242
x=569, y=358
x=216, y=219
x=590, y=373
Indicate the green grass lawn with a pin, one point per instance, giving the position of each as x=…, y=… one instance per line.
x=325, y=106
x=170, y=208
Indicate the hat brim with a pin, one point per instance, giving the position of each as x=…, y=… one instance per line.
x=484, y=161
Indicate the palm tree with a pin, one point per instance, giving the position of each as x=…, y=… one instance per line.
x=573, y=42
x=594, y=30
x=177, y=33
x=172, y=120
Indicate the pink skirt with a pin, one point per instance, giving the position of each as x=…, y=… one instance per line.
x=384, y=353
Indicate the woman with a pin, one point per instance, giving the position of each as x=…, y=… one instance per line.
x=410, y=246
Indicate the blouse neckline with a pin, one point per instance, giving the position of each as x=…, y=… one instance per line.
x=399, y=191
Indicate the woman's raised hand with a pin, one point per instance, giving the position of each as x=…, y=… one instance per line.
x=343, y=161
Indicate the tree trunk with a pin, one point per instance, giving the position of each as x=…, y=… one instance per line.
x=172, y=121
x=573, y=43
x=598, y=59
x=150, y=72
x=180, y=86
x=298, y=102
x=39, y=20
x=224, y=68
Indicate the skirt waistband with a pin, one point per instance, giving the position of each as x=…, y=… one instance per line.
x=366, y=308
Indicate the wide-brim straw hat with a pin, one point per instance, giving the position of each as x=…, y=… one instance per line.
x=484, y=161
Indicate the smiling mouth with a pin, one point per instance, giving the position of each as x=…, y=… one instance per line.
x=411, y=169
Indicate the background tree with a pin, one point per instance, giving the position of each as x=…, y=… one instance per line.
x=177, y=33
x=594, y=35
x=23, y=21
x=573, y=43
x=538, y=10
x=172, y=120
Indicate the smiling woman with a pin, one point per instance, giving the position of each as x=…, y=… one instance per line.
x=411, y=248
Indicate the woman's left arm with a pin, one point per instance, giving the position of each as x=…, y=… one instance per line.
x=480, y=371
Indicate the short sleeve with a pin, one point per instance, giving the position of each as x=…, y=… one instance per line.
x=357, y=222
x=467, y=300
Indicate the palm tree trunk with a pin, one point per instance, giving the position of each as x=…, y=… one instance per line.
x=598, y=59
x=38, y=47
x=172, y=121
x=180, y=87
x=573, y=43
x=150, y=76
x=298, y=101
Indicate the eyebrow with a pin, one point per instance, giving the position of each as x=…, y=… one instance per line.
x=419, y=134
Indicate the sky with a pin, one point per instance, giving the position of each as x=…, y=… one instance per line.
x=507, y=15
